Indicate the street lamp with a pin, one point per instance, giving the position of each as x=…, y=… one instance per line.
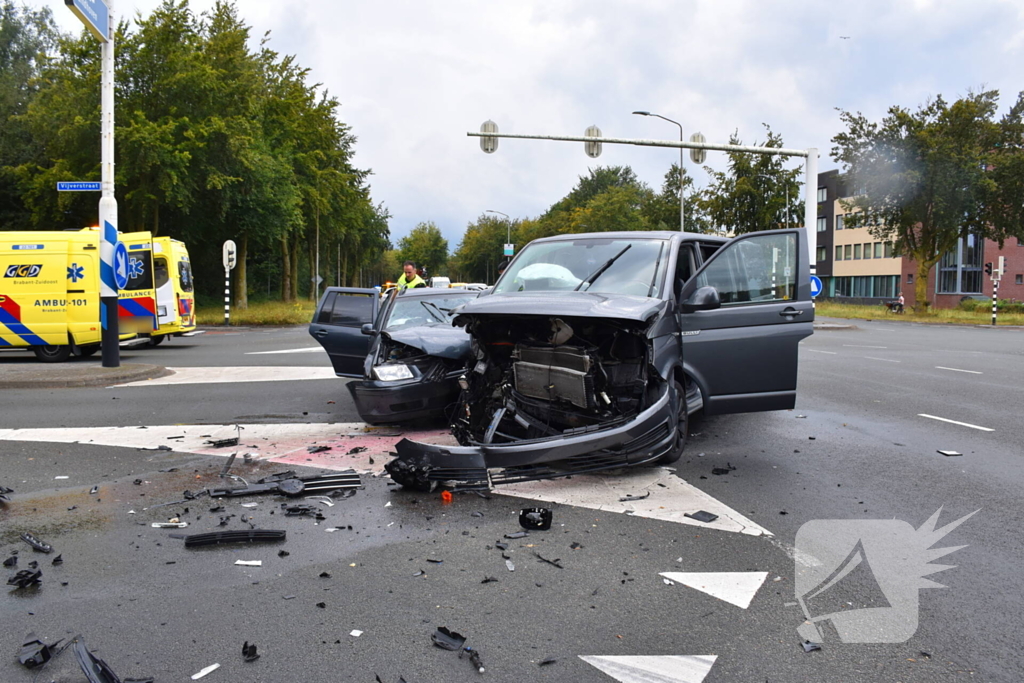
x=508, y=231
x=682, y=219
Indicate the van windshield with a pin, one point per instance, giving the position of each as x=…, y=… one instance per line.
x=595, y=264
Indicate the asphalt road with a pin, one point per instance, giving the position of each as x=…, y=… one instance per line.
x=856, y=448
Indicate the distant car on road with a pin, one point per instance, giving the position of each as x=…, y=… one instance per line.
x=402, y=348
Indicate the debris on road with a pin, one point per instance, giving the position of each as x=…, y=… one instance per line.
x=553, y=563
x=446, y=496
x=318, y=449
x=447, y=639
x=249, y=653
x=240, y=536
x=810, y=647
x=489, y=579
x=949, y=453
x=701, y=516
x=169, y=525
x=94, y=668
x=200, y=674
x=474, y=658
x=36, y=544
x=357, y=449
x=222, y=443
x=511, y=566
x=4, y=492
x=723, y=470
x=546, y=661
x=58, y=560
x=35, y=652
x=518, y=534
x=535, y=518
x=291, y=484
x=249, y=563
x=11, y=561
x=626, y=499
x=355, y=633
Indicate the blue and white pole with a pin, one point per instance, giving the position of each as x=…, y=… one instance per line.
x=108, y=204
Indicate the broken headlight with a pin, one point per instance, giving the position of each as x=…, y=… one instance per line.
x=392, y=373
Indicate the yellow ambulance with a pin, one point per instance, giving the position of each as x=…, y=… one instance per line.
x=171, y=285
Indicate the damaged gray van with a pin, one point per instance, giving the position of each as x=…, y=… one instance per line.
x=592, y=351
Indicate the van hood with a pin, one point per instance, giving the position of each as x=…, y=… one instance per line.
x=567, y=304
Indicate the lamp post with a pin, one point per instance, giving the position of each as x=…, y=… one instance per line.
x=508, y=225
x=682, y=219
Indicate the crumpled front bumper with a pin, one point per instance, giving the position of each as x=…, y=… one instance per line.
x=378, y=401
x=643, y=439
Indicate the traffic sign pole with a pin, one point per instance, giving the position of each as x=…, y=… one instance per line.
x=229, y=264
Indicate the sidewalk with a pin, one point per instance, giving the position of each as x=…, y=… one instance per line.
x=28, y=373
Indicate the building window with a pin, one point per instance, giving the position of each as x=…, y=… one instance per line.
x=822, y=253
x=839, y=252
x=867, y=250
x=840, y=221
x=878, y=250
x=888, y=250
x=960, y=269
x=1018, y=279
x=847, y=252
x=910, y=278
x=822, y=194
x=822, y=224
x=856, y=252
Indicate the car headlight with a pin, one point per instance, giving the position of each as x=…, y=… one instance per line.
x=390, y=373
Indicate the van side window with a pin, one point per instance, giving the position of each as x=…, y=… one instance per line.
x=185, y=275
x=160, y=273
x=758, y=269
x=707, y=250
x=685, y=267
x=347, y=310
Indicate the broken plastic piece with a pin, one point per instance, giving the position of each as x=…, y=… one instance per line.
x=553, y=563
x=949, y=453
x=4, y=492
x=222, y=443
x=511, y=566
x=474, y=658
x=249, y=652
x=94, y=490
x=446, y=496
x=11, y=561
x=169, y=525
x=810, y=647
x=25, y=578
x=518, y=534
x=701, y=516
x=318, y=449
x=94, y=668
x=357, y=449
x=36, y=544
x=626, y=499
x=249, y=563
x=241, y=536
x=291, y=485
x=58, y=560
x=723, y=470
x=546, y=661
x=200, y=674
x=35, y=652
x=535, y=518
x=355, y=633
x=448, y=640
x=489, y=579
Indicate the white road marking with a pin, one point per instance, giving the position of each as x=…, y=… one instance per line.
x=254, y=373
x=654, y=669
x=304, y=349
x=973, y=372
x=863, y=346
x=887, y=360
x=831, y=353
x=670, y=497
x=736, y=588
x=962, y=424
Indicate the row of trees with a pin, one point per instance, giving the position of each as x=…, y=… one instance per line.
x=215, y=140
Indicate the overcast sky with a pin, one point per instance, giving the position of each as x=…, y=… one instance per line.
x=413, y=77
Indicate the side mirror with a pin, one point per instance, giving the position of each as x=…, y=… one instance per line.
x=367, y=329
x=703, y=299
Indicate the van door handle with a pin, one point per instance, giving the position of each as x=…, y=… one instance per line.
x=321, y=333
x=790, y=312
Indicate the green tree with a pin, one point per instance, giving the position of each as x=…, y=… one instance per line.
x=926, y=178
x=482, y=248
x=426, y=247
x=752, y=194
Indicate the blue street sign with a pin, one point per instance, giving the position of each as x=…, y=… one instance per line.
x=815, y=286
x=78, y=186
x=120, y=265
x=94, y=14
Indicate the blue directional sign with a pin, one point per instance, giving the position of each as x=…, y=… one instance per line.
x=94, y=14
x=815, y=285
x=78, y=186
x=120, y=265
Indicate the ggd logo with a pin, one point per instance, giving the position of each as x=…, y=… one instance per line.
x=23, y=271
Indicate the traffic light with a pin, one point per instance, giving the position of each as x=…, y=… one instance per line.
x=988, y=268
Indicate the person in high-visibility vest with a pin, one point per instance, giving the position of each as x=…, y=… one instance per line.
x=409, y=278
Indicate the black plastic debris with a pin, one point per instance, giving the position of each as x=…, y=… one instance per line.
x=810, y=647
x=322, y=605
x=222, y=443
x=291, y=485
x=217, y=508
x=325, y=575
x=11, y=562
x=489, y=579
x=575, y=545
x=302, y=510
x=249, y=652
x=535, y=518
x=283, y=553
x=950, y=454
x=58, y=560
x=702, y=516
x=723, y=470
x=35, y=652
x=94, y=490
x=36, y=544
x=553, y=563
x=357, y=449
x=501, y=545
x=33, y=565
x=474, y=658
x=94, y=668
x=546, y=661
x=434, y=561
x=318, y=449
x=25, y=578
x=447, y=639
x=518, y=534
x=4, y=492
x=240, y=536
x=626, y=499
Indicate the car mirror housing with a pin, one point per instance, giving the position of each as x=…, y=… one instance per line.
x=703, y=299
x=367, y=329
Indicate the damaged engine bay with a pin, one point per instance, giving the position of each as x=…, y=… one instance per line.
x=533, y=377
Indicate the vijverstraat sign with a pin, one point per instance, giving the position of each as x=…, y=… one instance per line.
x=94, y=15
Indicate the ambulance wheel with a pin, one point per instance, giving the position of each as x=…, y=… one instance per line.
x=157, y=339
x=86, y=351
x=52, y=354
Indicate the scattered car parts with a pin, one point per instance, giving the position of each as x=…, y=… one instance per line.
x=289, y=484
x=36, y=544
x=35, y=652
x=4, y=492
x=240, y=536
x=535, y=518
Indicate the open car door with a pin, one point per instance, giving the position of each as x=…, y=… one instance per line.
x=742, y=317
x=337, y=325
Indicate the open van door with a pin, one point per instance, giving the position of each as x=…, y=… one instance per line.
x=337, y=325
x=742, y=316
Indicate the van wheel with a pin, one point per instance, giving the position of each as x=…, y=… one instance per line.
x=157, y=339
x=52, y=353
x=89, y=350
x=682, y=427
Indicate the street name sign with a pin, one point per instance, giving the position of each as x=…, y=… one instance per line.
x=94, y=14
x=78, y=186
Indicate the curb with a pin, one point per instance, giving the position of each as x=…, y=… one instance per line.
x=59, y=377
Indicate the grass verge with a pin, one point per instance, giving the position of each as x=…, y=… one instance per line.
x=260, y=313
x=831, y=309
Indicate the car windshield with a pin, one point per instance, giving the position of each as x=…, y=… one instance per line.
x=425, y=310
x=606, y=265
